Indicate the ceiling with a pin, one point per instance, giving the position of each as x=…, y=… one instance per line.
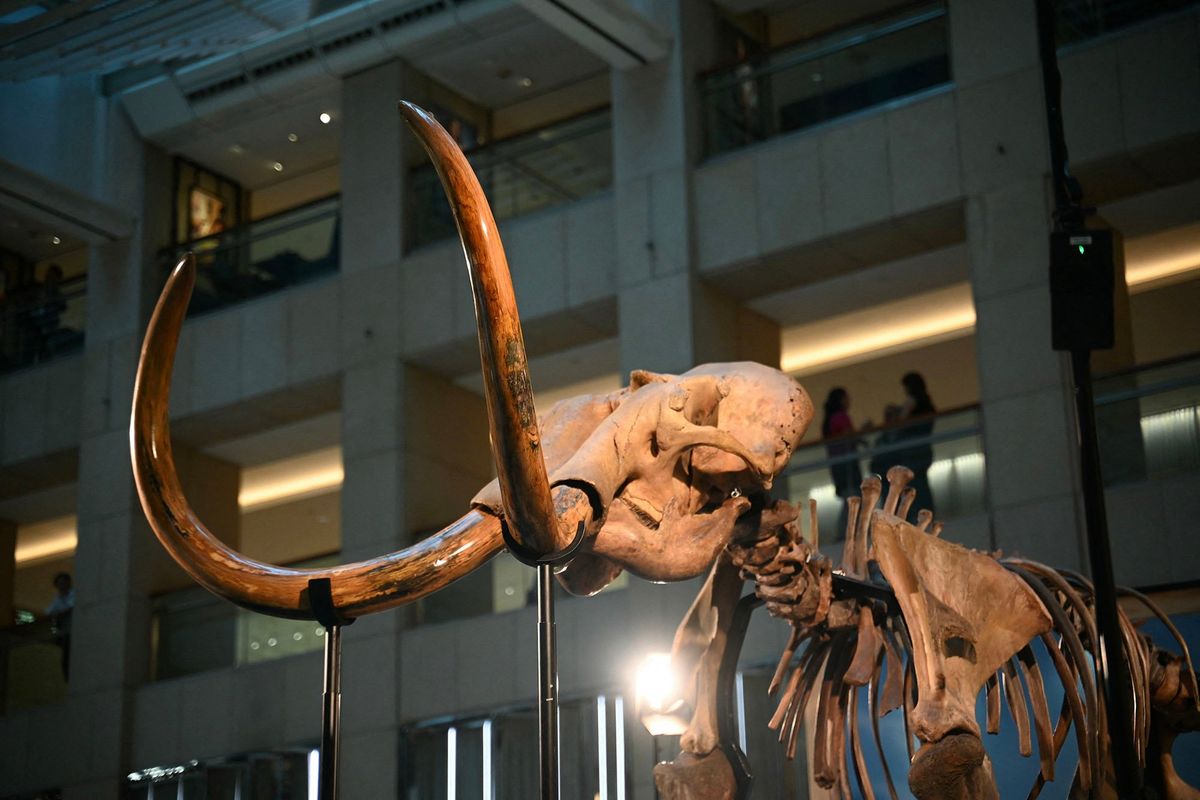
x=54, y=37
x=246, y=146
x=496, y=68
x=33, y=239
x=510, y=61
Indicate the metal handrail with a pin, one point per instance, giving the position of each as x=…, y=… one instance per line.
x=797, y=54
x=237, y=236
x=1157, y=387
x=872, y=450
x=594, y=114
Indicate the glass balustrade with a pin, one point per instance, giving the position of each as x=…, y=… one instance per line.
x=1148, y=420
x=496, y=755
x=261, y=775
x=195, y=631
x=803, y=85
x=31, y=658
x=264, y=256
x=42, y=321
x=1080, y=20
x=950, y=444
x=556, y=164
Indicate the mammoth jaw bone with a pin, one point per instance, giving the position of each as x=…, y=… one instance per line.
x=376, y=584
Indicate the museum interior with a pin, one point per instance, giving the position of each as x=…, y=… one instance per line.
x=849, y=192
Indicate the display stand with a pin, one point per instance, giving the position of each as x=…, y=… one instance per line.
x=547, y=654
x=1081, y=321
x=320, y=597
x=727, y=721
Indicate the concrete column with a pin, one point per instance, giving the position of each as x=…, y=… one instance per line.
x=376, y=151
x=1032, y=470
x=669, y=320
x=415, y=450
x=116, y=555
x=655, y=142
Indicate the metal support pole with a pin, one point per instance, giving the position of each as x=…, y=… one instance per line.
x=1111, y=665
x=320, y=597
x=547, y=685
x=331, y=713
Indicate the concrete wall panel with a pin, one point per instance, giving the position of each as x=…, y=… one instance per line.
x=1158, y=67
x=726, y=197
x=788, y=179
x=855, y=182
x=922, y=151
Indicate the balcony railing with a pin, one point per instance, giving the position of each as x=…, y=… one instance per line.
x=800, y=86
x=42, y=321
x=557, y=164
x=1149, y=421
x=31, y=658
x=193, y=631
x=1080, y=20
x=264, y=256
x=950, y=444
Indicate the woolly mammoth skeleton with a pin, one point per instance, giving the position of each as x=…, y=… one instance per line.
x=666, y=478
x=957, y=622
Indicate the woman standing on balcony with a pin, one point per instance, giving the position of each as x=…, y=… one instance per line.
x=844, y=468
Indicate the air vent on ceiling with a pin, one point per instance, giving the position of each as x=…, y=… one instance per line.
x=220, y=87
x=280, y=64
x=302, y=55
x=346, y=40
x=412, y=15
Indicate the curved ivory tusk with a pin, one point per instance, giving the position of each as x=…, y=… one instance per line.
x=358, y=589
x=516, y=439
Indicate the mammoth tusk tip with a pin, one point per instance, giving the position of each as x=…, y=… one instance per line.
x=412, y=112
x=185, y=269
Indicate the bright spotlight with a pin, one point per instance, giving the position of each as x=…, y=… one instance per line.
x=659, y=697
x=325, y=118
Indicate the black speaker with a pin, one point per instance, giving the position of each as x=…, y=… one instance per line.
x=1082, y=289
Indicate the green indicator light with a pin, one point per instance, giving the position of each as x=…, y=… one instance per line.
x=1080, y=249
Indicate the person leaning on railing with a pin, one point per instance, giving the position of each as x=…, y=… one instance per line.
x=59, y=611
x=844, y=468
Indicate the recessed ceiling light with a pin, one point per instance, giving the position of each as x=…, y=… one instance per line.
x=55, y=240
x=325, y=118
x=236, y=149
x=524, y=83
x=293, y=137
x=277, y=166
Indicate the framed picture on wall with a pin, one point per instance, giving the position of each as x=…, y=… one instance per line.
x=206, y=215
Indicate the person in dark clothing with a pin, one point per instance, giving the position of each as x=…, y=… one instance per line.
x=844, y=467
x=916, y=416
x=59, y=612
x=881, y=462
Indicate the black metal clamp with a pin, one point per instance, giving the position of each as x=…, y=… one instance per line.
x=320, y=600
x=530, y=558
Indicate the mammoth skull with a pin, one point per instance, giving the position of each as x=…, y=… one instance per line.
x=668, y=466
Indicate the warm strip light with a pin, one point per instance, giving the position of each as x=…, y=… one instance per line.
x=291, y=479
x=50, y=539
x=1152, y=269
x=872, y=332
